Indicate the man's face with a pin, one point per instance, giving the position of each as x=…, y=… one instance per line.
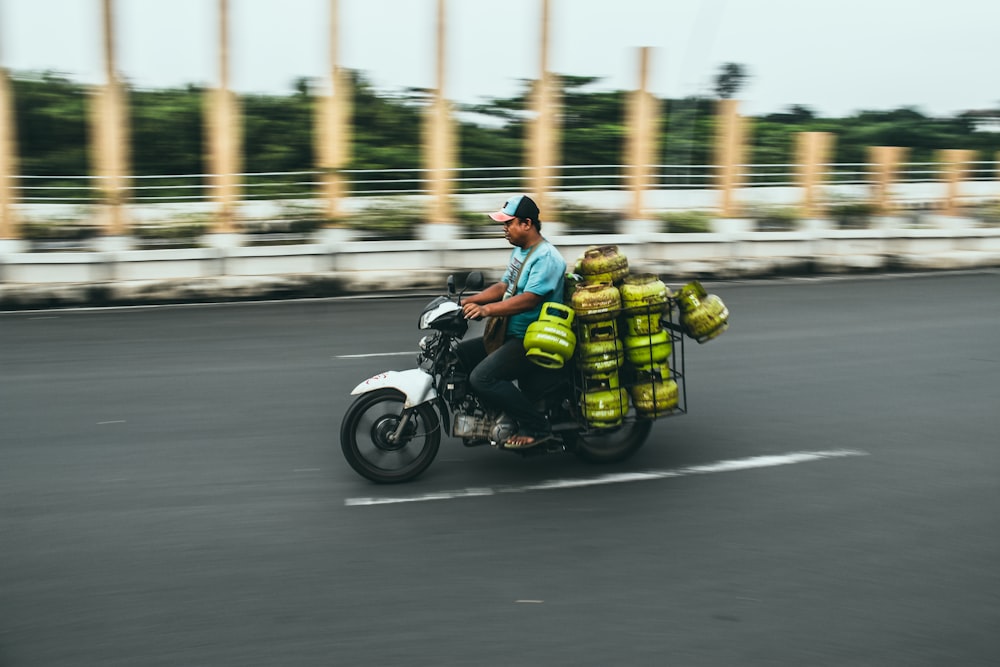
x=516, y=231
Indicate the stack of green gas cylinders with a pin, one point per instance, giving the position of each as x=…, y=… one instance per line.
x=625, y=336
x=601, y=355
x=648, y=344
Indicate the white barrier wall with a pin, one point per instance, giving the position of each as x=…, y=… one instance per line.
x=403, y=264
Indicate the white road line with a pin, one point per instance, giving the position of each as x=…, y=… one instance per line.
x=729, y=465
x=375, y=354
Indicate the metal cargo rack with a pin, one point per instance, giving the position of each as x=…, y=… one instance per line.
x=628, y=374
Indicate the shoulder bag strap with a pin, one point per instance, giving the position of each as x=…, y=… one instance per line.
x=515, y=275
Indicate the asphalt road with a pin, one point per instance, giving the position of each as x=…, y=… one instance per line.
x=172, y=493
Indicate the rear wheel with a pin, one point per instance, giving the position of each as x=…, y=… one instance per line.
x=613, y=445
x=368, y=437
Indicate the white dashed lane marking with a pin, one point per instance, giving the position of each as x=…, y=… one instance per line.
x=375, y=354
x=730, y=465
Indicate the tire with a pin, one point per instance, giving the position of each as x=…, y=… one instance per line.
x=613, y=446
x=364, y=437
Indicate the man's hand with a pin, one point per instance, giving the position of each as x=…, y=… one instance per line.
x=474, y=311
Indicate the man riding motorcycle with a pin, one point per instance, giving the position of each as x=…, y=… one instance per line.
x=534, y=275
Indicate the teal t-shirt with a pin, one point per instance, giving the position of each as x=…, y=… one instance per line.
x=543, y=275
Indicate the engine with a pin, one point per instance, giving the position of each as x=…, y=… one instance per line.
x=478, y=426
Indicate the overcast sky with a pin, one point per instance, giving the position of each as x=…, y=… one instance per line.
x=835, y=56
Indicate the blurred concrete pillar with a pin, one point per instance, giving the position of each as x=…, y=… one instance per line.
x=885, y=161
x=543, y=134
x=8, y=160
x=813, y=150
x=225, y=137
x=641, y=144
x=730, y=140
x=956, y=168
x=333, y=114
x=439, y=137
x=109, y=120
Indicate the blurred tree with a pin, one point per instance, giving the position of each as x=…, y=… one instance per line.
x=491, y=134
x=906, y=127
x=52, y=128
x=593, y=123
x=687, y=136
x=730, y=78
x=278, y=132
x=386, y=128
x=794, y=114
x=167, y=129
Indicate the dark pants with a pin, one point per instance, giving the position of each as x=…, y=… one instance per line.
x=492, y=379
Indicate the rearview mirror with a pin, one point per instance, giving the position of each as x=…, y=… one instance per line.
x=474, y=280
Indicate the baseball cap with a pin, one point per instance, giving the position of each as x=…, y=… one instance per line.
x=520, y=206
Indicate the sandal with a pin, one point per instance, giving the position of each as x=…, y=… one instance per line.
x=536, y=438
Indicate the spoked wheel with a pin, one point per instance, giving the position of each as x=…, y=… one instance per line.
x=613, y=445
x=376, y=445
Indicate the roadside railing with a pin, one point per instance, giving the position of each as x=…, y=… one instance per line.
x=266, y=186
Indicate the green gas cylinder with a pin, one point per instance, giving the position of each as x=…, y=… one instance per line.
x=604, y=402
x=703, y=316
x=643, y=293
x=603, y=264
x=648, y=349
x=549, y=341
x=596, y=302
x=595, y=357
x=599, y=330
x=654, y=397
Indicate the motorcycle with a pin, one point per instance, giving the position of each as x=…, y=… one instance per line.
x=392, y=431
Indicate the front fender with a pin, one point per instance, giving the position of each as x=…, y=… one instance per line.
x=416, y=385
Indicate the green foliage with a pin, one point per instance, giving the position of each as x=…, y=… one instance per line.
x=772, y=143
x=907, y=128
x=388, y=220
x=687, y=135
x=168, y=134
x=686, y=222
x=794, y=115
x=775, y=218
x=584, y=219
x=51, y=122
x=386, y=130
x=280, y=131
x=167, y=130
x=181, y=230
x=593, y=123
x=851, y=214
x=986, y=212
x=474, y=219
x=488, y=147
x=57, y=230
x=294, y=220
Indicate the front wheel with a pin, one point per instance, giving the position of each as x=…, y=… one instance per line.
x=615, y=445
x=375, y=445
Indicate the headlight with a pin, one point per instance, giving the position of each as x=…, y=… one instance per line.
x=435, y=311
